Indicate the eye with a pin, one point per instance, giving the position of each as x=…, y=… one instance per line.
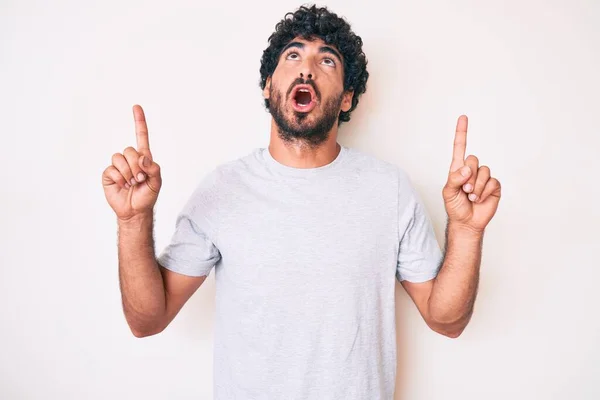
x=292, y=53
x=329, y=62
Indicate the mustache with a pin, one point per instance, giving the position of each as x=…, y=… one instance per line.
x=301, y=81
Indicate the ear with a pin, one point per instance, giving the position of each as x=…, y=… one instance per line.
x=347, y=100
x=267, y=88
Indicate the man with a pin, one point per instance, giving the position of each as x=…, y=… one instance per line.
x=307, y=236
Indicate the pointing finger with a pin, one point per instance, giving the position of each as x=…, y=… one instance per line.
x=141, y=130
x=460, y=144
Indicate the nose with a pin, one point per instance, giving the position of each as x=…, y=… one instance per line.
x=309, y=75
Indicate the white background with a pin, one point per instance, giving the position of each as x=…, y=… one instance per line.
x=525, y=73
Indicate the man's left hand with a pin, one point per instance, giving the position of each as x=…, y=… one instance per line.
x=471, y=200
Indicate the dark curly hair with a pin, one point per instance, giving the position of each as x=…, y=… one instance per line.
x=312, y=22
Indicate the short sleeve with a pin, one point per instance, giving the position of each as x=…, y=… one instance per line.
x=419, y=255
x=191, y=250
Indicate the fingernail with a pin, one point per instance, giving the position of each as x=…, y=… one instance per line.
x=146, y=162
x=465, y=171
x=468, y=187
x=472, y=197
x=133, y=181
x=127, y=186
x=141, y=177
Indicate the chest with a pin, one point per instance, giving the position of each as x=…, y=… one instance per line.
x=284, y=239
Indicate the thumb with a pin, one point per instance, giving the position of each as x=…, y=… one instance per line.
x=152, y=171
x=458, y=178
x=148, y=166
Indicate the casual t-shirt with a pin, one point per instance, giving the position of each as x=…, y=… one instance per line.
x=305, y=263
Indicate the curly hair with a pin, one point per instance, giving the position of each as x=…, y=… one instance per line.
x=310, y=23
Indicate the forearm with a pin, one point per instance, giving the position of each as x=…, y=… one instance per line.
x=141, y=283
x=455, y=288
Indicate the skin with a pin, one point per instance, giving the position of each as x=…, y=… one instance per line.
x=328, y=77
x=152, y=296
x=471, y=200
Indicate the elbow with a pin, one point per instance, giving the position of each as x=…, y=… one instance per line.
x=451, y=329
x=452, y=333
x=139, y=333
x=142, y=331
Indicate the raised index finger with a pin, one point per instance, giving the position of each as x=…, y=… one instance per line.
x=460, y=143
x=141, y=129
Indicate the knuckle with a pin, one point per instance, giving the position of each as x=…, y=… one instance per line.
x=115, y=175
x=114, y=172
x=131, y=155
x=446, y=193
x=129, y=150
x=474, y=175
x=473, y=159
x=123, y=169
x=116, y=158
x=135, y=168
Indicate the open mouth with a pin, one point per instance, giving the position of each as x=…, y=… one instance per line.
x=303, y=98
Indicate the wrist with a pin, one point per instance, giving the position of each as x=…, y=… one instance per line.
x=465, y=231
x=136, y=221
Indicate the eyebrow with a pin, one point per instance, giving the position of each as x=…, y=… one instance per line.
x=322, y=49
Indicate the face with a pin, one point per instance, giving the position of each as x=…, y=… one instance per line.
x=306, y=91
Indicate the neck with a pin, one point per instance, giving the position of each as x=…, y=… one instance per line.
x=298, y=153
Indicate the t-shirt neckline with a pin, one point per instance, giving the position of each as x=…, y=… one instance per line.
x=302, y=172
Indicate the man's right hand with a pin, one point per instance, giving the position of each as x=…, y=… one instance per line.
x=132, y=183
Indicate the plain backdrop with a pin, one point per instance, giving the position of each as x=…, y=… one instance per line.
x=524, y=72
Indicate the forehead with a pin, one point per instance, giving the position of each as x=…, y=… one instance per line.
x=312, y=41
x=313, y=44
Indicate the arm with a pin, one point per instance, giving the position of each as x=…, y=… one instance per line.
x=152, y=296
x=471, y=198
x=450, y=304
x=446, y=303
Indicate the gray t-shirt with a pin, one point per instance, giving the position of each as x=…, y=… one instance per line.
x=305, y=268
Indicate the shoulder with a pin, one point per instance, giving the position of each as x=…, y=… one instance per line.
x=387, y=175
x=368, y=163
x=223, y=174
x=220, y=183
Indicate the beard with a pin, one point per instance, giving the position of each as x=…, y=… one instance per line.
x=298, y=127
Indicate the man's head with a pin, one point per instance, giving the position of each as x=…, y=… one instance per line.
x=312, y=73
